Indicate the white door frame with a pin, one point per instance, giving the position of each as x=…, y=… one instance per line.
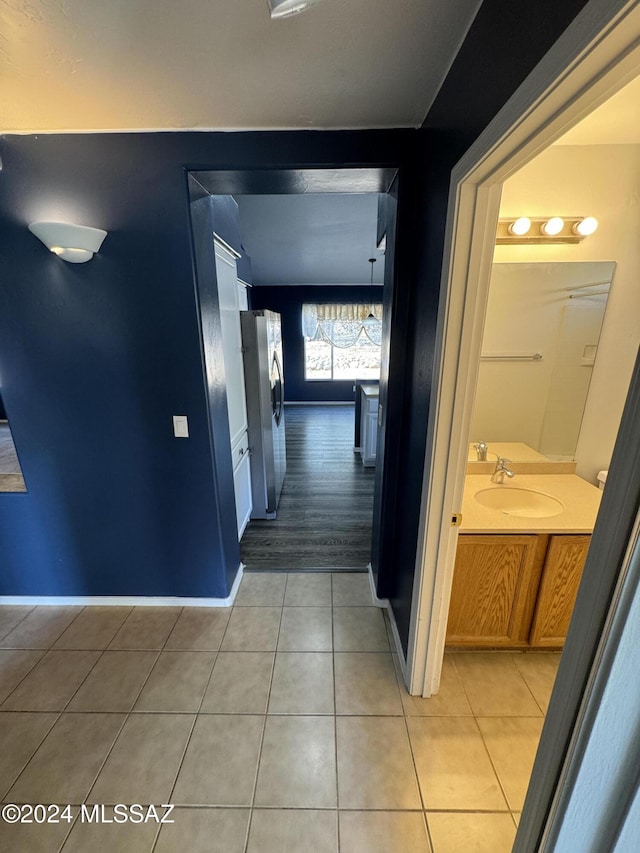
x=595, y=57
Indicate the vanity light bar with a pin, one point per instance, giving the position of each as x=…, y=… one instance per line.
x=545, y=229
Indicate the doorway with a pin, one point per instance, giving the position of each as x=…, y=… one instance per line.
x=600, y=66
x=516, y=576
x=315, y=261
x=330, y=514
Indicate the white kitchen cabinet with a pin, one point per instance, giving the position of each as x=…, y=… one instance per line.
x=229, y=301
x=242, y=485
x=243, y=295
x=369, y=424
x=231, y=340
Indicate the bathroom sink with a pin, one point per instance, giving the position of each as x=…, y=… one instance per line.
x=525, y=503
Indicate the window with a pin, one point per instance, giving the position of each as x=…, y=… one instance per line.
x=341, y=342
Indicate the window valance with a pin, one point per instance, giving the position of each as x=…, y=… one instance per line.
x=342, y=325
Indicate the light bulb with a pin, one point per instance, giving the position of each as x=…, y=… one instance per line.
x=586, y=226
x=552, y=226
x=520, y=227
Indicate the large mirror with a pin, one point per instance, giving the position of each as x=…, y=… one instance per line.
x=539, y=346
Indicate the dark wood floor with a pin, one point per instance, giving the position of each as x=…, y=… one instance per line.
x=324, y=516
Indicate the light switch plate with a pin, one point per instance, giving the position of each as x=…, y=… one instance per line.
x=180, y=426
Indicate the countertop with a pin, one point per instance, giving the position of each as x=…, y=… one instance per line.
x=581, y=501
x=370, y=390
x=515, y=451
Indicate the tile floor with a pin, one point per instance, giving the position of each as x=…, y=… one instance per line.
x=277, y=725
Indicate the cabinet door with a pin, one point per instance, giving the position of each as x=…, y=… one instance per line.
x=243, y=296
x=242, y=489
x=368, y=429
x=495, y=582
x=231, y=341
x=558, y=589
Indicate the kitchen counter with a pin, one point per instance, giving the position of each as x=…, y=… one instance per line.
x=581, y=501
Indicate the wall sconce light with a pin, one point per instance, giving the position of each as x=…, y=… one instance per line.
x=73, y=243
x=545, y=229
x=287, y=8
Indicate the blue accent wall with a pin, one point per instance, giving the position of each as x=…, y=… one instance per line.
x=287, y=300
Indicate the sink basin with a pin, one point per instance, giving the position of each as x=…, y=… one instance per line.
x=525, y=503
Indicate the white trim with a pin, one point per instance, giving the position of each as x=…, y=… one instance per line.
x=378, y=602
x=126, y=600
x=319, y=128
x=383, y=604
x=398, y=645
x=594, y=58
x=222, y=246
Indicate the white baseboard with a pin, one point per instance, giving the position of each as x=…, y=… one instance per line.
x=126, y=600
x=398, y=644
x=379, y=602
x=384, y=603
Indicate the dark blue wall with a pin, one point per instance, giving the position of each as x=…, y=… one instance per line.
x=96, y=358
x=287, y=301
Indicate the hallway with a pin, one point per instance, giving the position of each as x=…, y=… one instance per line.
x=325, y=511
x=278, y=724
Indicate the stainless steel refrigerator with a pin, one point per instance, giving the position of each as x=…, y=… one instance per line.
x=264, y=383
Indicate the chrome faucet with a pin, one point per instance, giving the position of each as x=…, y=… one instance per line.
x=502, y=468
x=481, y=449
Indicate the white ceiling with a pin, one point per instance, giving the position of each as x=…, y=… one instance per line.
x=70, y=65
x=616, y=122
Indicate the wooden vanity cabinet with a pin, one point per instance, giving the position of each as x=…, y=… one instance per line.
x=514, y=591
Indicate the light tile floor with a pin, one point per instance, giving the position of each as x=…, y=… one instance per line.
x=279, y=725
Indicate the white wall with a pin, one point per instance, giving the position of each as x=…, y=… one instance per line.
x=601, y=181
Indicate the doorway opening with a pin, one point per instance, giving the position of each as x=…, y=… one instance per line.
x=305, y=241
x=557, y=353
x=561, y=99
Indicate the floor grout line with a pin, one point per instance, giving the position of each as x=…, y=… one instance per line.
x=335, y=716
x=19, y=622
x=264, y=727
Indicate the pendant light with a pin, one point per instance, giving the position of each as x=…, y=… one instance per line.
x=371, y=319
